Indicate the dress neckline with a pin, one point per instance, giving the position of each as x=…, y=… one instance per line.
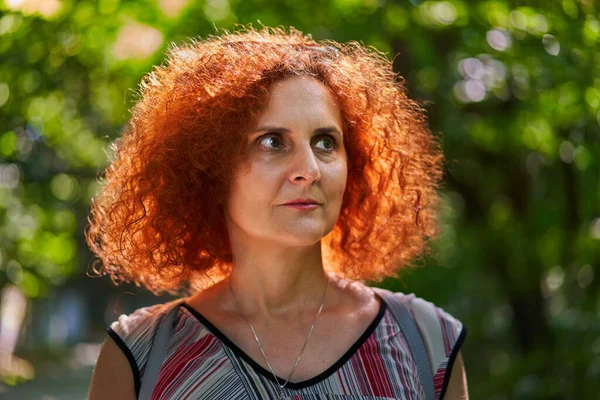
x=267, y=374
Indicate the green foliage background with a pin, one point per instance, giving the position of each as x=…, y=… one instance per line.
x=513, y=87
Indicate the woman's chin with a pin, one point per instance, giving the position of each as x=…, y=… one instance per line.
x=303, y=236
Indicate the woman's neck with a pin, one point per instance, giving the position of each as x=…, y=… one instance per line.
x=276, y=285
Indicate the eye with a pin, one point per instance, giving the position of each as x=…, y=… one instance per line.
x=329, y=142
x=270, y=139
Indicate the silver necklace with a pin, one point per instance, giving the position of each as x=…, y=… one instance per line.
x=281, y=387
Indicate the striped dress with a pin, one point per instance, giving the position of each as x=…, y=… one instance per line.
x=202, y=363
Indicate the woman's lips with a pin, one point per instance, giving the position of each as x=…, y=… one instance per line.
x=302, y=206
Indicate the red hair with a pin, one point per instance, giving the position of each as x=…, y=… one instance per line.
x=157, y=220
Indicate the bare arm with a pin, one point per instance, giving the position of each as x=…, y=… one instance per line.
x=112, y=378
x=457, y=387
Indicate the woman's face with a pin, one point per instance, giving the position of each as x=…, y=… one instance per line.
x=295, y=150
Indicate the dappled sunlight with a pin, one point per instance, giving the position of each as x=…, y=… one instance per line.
x=45, y=8
x=136, y=41
x=172, y=8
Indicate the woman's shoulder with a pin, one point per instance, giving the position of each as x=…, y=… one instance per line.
x=433, y=319
x=428, y=315
x=430, y=318
x=133, y=333
x=443, y=334
x=140, y=322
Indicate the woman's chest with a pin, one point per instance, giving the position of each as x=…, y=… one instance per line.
x=285, y=346
x=205, y=365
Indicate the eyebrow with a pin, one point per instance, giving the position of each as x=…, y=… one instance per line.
x=318, y=131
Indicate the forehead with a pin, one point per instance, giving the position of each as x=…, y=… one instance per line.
x=300, y=99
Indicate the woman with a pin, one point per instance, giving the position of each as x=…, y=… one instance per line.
x=270, y=176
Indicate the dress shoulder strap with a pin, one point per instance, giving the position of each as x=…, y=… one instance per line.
x=413, y=337
x=158, y=351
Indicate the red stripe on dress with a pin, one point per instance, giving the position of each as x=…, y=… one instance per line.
x=438, y=380
x=445, y=333
x=171, y=371
x=368, y=358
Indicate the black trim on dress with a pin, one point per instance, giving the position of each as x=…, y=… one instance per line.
x=453, y=355
x=267, y=374
x=134, y=367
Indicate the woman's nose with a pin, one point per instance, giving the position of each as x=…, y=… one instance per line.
x=305, y=165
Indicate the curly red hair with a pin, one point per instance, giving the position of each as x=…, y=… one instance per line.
x=157, y=220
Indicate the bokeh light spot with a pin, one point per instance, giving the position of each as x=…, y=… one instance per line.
x=498, y=39
x=136, y=41
x=64, y=187
x=551, y=45
x=4, y=93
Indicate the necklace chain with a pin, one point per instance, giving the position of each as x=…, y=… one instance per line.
x=281, y=387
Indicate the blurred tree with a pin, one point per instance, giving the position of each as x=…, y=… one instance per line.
x=513, y=87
